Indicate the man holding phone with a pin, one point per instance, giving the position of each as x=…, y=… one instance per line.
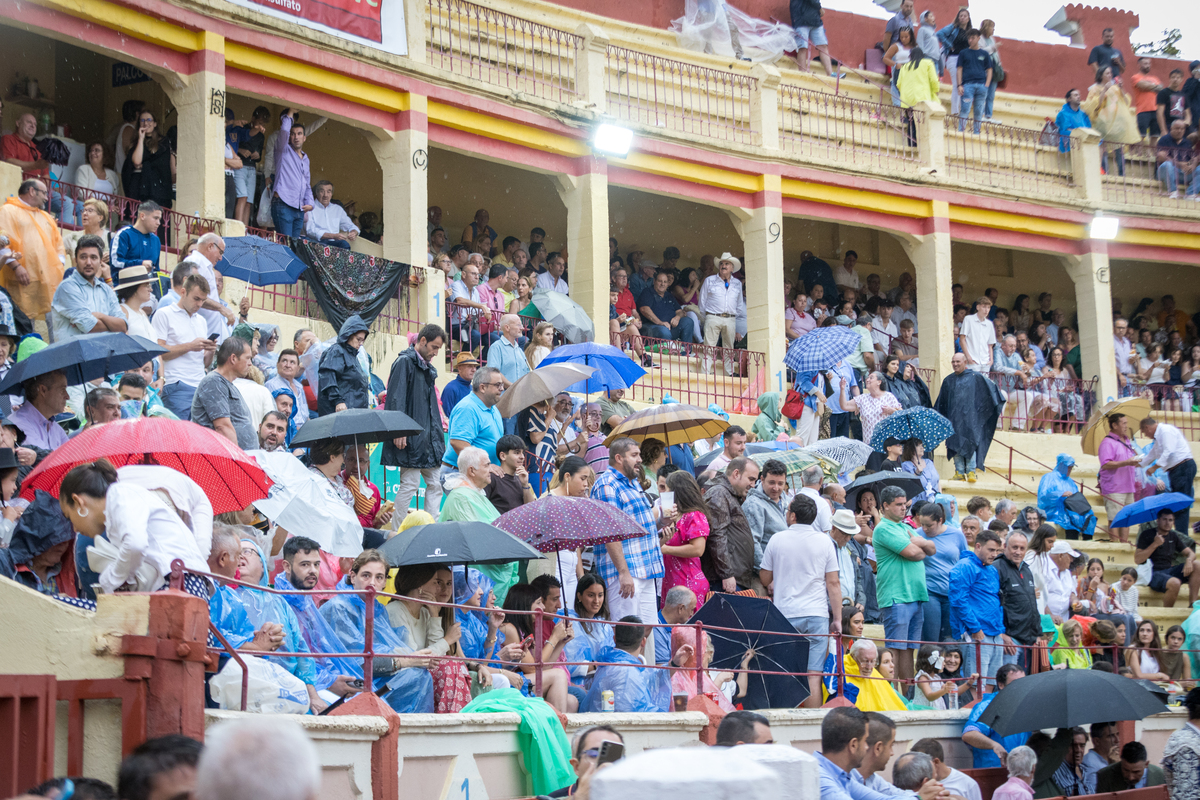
x=184, y=333
x=593, y=747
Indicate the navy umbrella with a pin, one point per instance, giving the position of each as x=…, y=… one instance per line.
x=614, y=369
x=359, y=425
x=913, y=423
x=1064, y=698
x=84, y=358
x=757, y=624
x=876, y=481
x=1146, y=509
x=259, y=262
x=455, y=543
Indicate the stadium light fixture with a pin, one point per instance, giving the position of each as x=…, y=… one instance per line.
x=1104, y=227
x=612, y=139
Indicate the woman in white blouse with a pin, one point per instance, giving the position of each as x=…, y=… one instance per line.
x=94, y=175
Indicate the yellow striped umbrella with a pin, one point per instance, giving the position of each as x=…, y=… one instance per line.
x=676, y=423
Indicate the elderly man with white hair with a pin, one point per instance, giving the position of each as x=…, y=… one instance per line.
x=258, y=758
x=1022, y=762
x=505, y=354
x=209, y=250
x=466, y=502
x=721, y=301
x=867, y=690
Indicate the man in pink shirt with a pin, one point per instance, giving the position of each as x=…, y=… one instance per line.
x=1118, y=468
x=489, y=293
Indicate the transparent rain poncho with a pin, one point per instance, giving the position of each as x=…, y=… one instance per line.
x=266, y=607
x=409, y=690
x=319, y=637
x=714, y=26
x=635, y=686
x=591, y=638
x=468, y=582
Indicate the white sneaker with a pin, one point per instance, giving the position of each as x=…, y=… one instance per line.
x=1174, y=195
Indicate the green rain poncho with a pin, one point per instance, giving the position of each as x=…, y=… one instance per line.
x=768, y=424
x=544, y=746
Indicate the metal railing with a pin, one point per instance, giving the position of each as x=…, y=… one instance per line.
x=1172, y=404
x=677, y=96
x=834, y=127
x=1040, y=404
x=502, y=50
x=696, y=374
x=270, y=234
x=1131, y=178
x=1008, y=159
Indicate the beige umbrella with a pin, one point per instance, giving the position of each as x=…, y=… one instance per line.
x=539, y=385
x=1136, y=408
x=672, y=424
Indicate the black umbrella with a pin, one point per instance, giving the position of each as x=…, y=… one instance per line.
x=83, y=358
x=357, y=425
x=758, y=624
x=455, y=543
x=1064, y=698
x=876, y=481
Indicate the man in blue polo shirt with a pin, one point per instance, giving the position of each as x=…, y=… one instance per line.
x=987, y=746
x=475, y=422
x=662, y=313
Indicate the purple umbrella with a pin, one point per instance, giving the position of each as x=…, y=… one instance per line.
x=554, y=523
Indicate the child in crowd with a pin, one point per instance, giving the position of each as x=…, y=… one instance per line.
x=952, y=672
x=1125, y=593
x=932, y=691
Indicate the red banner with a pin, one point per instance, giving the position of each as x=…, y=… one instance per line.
x=359, y=18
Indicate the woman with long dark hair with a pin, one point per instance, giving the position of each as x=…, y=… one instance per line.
x=518, y=629
x=1143, y=656
x=954, y=40
x=149, y=169
x=682, y=550
x=591, y=637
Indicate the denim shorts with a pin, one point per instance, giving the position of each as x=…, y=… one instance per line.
x=806, y=34
x=903, y=621
x=818, y=646
x=244, y=179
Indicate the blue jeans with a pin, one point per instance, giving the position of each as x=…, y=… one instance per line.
x=342, y=243
x=288, y=221
x=937, y=619
x=1172, y=176
x=991, y=657
x=973, y=98
x=685, y=331
x=475, y=339
x=177, y=397
x=902, y=624
x=964, y=464
x=991, y=99
x=818, y=646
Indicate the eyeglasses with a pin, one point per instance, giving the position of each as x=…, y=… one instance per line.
x=497, y=383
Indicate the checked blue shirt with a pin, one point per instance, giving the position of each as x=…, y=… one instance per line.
x=642, y=554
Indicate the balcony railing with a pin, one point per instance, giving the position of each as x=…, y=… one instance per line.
x=1008, y=159
x=678, y=96
x=1131, y=177
x=837, y=128
x=502, y=50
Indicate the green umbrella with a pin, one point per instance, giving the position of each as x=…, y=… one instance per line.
x=797, y=461
x=565, y=314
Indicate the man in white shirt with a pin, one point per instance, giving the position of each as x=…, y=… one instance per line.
x=1171, y=453
x=978, y=336
x=287, y=368
x=735, y=447
x=180, y=328
x=811, y=479
x=327, y=222
x=883, y=328
x=844, y=276
x=905, y=310
x=953, y=781
x=552, y=278
x=1060, y=583
x=466, y=306
x=217, y=317
x=800, y=573
x=1123, y=351
x=721, y=300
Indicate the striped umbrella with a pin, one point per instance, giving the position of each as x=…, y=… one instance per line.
x=821, y=348
x=798, y=460
x=677, y=423
x=850, y=454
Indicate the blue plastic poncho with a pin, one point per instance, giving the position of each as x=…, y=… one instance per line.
x=266, y=607
x=228, y=614
x=1191, y=629
x=467, y=582
x=408, y=691
x=318, y=636
x=586, y=646
x=635, y=686
x=1053, y=491
x=291, y=428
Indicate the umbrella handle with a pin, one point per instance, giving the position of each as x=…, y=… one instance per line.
x=699, y=656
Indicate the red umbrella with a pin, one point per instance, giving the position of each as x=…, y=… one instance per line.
x=229, y=478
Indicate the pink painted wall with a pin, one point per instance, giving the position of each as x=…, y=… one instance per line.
x=1036, y=69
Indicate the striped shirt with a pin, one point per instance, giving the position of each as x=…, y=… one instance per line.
x=642, y=555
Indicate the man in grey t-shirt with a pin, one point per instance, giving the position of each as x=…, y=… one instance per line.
x=218, y=404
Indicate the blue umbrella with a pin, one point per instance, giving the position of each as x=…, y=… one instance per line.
x=821, y=348
x=758, y=624
x=614, y=369
x=83, y=358
x=1146, y=510
x=259, y=262
x=913, y=423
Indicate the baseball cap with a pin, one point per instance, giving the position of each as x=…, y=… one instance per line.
x=1061, y=547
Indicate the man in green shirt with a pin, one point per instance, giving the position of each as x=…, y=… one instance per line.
x=614, y=410
x=901, y=579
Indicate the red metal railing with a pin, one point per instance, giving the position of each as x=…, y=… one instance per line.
x=1137, y=183
x=675, y=95
x=837, y=128
x=1172, y=404
x=1006, y=158
x=269, y=234
x=502, y=50
x=1040, y=404
x=696, y=374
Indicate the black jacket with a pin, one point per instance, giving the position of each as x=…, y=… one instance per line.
x=411, y=389
x=730, y=549
x=40, y=528
x=340, y=379
x=1021, y=618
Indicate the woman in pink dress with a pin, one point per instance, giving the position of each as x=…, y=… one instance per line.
x=682, y=550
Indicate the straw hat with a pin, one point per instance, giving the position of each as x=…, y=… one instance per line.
x=131, y=276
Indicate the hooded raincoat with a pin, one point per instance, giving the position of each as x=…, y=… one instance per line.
x=267, y=362
x=408, y=690
x=341, y=378
x=911, y=394
x=40, y=528
x=635, y=686
x=411, y=389
x=319, y=637
x=768, y=425
x=266, y=607
x=1053, y=490
x=972, y=404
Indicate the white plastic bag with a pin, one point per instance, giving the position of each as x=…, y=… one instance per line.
x=264, y=209
x=271, y=690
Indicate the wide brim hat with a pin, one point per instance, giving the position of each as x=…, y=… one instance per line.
x=132, y=276
x=732, y=259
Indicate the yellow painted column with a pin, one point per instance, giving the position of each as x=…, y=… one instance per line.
x=761, y=229
x=404, y=160
x=586, y=197
x=1093, y=300
x=930, y=256
x=199, y=99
